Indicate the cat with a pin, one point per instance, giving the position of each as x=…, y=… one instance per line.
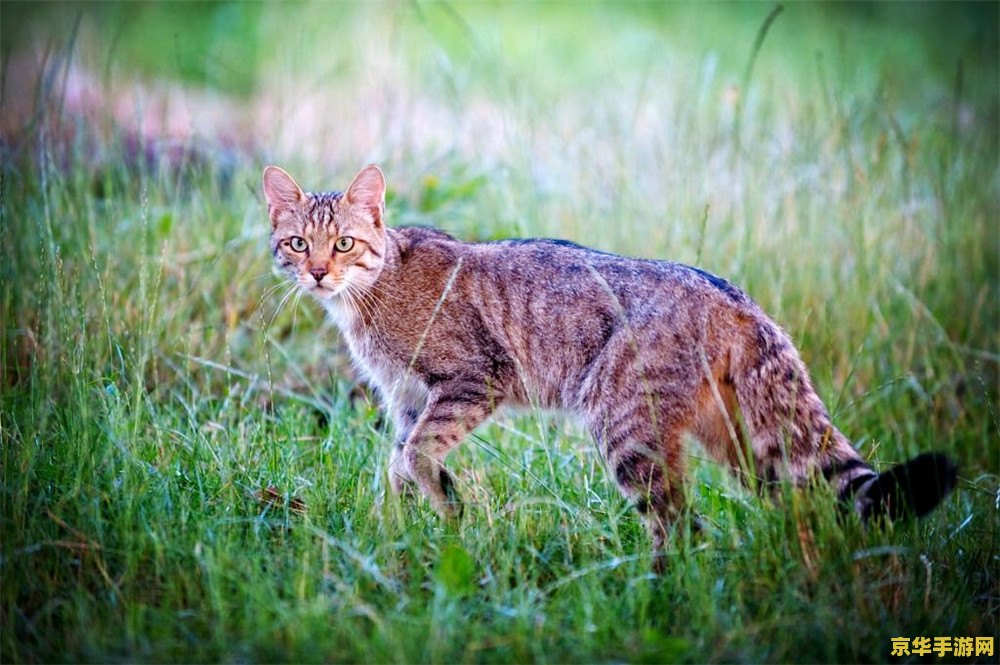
x=644, y=352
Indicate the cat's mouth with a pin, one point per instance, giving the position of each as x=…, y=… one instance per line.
x=324, y=291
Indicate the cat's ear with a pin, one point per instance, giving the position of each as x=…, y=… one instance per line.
x=367, y=190
x=281, y=191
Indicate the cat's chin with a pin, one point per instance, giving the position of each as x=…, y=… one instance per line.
x=324, y=292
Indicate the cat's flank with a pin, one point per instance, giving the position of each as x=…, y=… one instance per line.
x=644, y=352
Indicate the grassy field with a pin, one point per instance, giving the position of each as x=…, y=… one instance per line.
x=156, y=384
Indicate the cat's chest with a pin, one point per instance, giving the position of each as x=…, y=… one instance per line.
x=369, y=351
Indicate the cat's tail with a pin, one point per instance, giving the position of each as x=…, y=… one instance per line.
x=912, y=488
x=792, y=434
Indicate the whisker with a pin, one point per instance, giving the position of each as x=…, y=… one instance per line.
x=295, y=307
x=370, y=305
x=284, y=299
x=266, y=295
x=349, y=301
x=270, y=290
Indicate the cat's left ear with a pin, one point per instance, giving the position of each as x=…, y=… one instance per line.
x=367, y=190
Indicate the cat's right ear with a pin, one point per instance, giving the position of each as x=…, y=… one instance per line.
x=282, y=192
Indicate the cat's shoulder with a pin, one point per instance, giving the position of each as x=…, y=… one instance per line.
x=413, y=238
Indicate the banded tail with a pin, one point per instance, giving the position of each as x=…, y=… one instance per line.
x=913, y=488
x=791, y=429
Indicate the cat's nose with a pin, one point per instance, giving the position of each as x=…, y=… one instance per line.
x=318, y=273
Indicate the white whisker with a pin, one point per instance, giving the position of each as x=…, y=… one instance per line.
x=284, y=299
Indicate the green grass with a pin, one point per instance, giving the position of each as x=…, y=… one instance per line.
x=153, y=382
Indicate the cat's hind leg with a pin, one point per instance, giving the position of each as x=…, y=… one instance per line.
x=636, y=401
x=647, y=463
x=639, y=430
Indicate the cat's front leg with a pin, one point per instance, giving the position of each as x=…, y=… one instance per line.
x=404, y=410
x=399, y=475
x=454, y=409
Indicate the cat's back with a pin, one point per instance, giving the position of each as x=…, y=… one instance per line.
x=561, y=280
x=551, y=267
x=555, y=264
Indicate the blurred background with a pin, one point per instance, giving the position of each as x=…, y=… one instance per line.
x=638, y=99
x=837, y=160
x=807, y=152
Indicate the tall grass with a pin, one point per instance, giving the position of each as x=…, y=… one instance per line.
x=155, y=381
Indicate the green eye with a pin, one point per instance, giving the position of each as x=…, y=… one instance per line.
x=344, y=244
x=297, y=244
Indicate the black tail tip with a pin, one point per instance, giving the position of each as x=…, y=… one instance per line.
x=913, y=488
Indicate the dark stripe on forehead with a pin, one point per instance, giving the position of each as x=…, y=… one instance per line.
x=322, y=206
x=317, y=199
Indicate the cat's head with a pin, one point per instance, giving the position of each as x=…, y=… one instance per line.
x=328, y=242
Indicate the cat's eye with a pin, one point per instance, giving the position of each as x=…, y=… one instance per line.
x=297, y=244
x=344, y=244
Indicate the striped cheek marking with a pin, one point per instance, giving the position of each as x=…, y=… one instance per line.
x=363, y=261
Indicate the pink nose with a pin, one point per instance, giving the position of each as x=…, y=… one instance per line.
x=318, y=273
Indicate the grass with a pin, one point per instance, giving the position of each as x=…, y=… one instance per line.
x=154, y=382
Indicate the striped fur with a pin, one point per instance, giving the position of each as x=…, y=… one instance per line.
x=643, y=352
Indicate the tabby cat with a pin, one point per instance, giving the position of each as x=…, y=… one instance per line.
x=643, y=352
